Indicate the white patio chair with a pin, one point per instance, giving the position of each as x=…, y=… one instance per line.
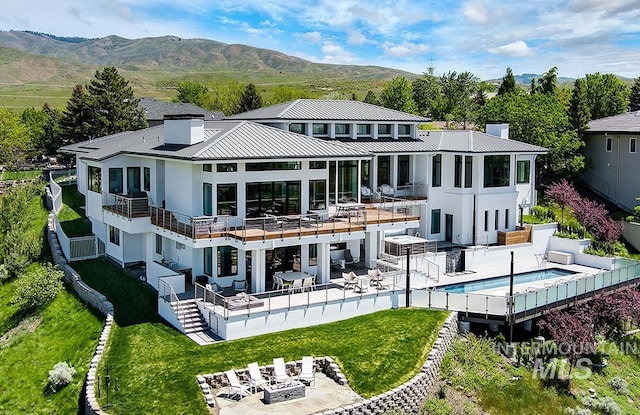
x=297, y=285
x=277, y=283
x=350, y=279
x=307, y=372
x=255, y=377
x=279, y=371
x=308, y=283
x=235, y=387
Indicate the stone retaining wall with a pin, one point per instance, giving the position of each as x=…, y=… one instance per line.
x=95, y=299
x=408, y=397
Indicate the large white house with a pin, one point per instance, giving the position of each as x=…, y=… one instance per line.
x=280, y=188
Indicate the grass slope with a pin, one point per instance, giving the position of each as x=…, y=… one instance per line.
x=71, y=216
x=69, y=331
x=156, y=365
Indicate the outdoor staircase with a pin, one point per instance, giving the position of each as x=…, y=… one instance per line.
x=193, y=324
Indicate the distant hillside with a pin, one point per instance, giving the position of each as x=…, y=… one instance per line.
x=174, y=53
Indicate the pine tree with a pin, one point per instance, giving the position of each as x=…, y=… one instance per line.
x=548, y=83
x=508, y=84
x=371, y=98
x=579, y=114
x=634, y=99
x=113, y=106
x=250, y=99
x=76, y=118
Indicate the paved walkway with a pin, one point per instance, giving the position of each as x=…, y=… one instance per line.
x=325, y=394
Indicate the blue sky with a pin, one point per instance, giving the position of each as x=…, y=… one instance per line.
x=480, y=36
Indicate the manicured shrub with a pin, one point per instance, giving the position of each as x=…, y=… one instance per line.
x=436, y=407
x=619, y=385
x=21, y=247
x=577, y=411
x=38, y=287
x=61, y=375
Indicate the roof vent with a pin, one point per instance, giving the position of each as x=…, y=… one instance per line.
x=184, y=129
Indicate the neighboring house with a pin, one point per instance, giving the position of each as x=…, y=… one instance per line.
x=279, y=188
x=612, y=147
x=155, y=110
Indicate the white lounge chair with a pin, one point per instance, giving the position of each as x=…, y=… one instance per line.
x=350, y=279
x=279, y=371
x=255, y=377
x=307, y=372
x=308, y=283
x=235, y=387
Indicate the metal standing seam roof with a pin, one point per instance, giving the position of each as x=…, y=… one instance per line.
x=224, y=140
x=628, y=122
x=325, y=109
x=448, y=141
x=155, y=109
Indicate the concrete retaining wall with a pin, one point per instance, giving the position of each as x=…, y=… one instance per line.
x=96, y=300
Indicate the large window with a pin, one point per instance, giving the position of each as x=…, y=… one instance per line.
x=94, y=177
x=332, y=181
x=147, y=179
x=207, y=199
x=364, y=130
x=384, y=170
x=274, y=165
x=133, y=180
x=227, y=199
x=207, y=267
x=274, y=198
x=317, y=194
x=523, y=170
x=226, y=167
x=496, y=171
x=436, y=171
x=320, y=129
x=404, y=129
x=435, y=221
x=114, y=235
x=403, y=170
x=115, y=180
x=457, y=176
x=384, y=129
x=348, y=180
x=468, y=171
x=297, y=127
x=227, y=261
x=343, y=129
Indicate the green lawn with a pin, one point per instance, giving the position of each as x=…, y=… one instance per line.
x=156, y=365
x=21, y=175
x=66, y=330
x=72, y=216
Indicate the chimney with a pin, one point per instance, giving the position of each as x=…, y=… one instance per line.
x=185, y=129
x=498, y=129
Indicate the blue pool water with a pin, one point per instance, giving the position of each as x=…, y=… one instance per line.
x=467, y=287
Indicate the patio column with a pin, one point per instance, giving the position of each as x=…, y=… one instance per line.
x=324, y=263
x=258, y=270
x=242, y=266
x=370, y=248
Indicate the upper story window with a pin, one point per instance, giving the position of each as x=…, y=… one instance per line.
x=436, y=171
x=297, y=127
x=608, y=144
x=315, y=164
x=94, y=177
x=320, y=129
x=343, y=129
x=115, y=180
x=522, y=171
x=496, y=171
x=457, y=176
x=226, y=167
x=364, y=129
x=384, y=129
x=404, y=129
x=206, y=167
x=468, y=171
x=274, y=165
x=147, y=179
x=632, y=145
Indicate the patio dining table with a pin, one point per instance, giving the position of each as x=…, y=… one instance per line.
x=291, y=276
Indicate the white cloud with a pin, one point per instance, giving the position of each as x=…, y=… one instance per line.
x=313, y=37
x=356, y=38
x=404, y=49
x=476, y=11
x=515, y=49
x=334, y=53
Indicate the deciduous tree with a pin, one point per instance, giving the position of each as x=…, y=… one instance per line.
x=371, y=98
x=607, y=95
x=193, y=93
x=634, y=99
x=15, y=139
x=284, y=93
x=398, y=95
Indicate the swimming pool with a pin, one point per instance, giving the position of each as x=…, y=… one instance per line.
x=471, y=286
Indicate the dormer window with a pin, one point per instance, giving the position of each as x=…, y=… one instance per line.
x=364, y=130
x=297, y=127
x=404, y=129
x=343, y=129
x=384, y=129
x=320, y=129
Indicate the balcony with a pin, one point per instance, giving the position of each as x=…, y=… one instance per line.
x=280, y=227
x=128, y=206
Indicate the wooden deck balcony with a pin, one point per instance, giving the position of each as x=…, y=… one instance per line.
x=278, y=227
x=129, y=206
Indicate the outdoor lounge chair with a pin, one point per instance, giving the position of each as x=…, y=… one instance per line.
x=350, y=279
x=387, y=190
x=239, y=285
x=365, y=193
x=307, y=372
x=348, y=258
x=279, y=371
x=235, y=387
x=256, y=380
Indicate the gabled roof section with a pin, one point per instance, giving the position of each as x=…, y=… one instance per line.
x=224, y=140
x=325, y=109
x=447, y=142
x=155, y=110
x=629, y=122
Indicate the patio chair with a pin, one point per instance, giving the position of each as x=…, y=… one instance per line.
x=350, y=279
x=348, y=258
x=279, y=371
x=387, y=190
x=239, y=285
x=308, y=283
x=235, y=387
x=255, y=377
x=307, y=373
x=297, y=285
x=365, y=193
